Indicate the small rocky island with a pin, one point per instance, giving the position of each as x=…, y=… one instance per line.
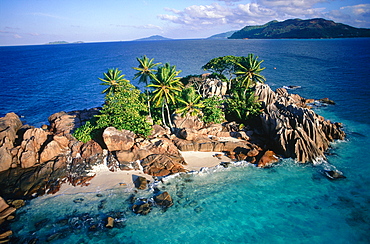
x=36, y=161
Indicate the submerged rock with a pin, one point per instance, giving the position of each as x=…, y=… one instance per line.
x=141, y=183
x=164, y=199
x=334, y=174
x=143, y=208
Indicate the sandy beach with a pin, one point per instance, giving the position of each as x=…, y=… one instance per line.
x=105, y=179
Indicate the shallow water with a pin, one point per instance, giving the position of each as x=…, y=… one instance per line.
x=288, y=203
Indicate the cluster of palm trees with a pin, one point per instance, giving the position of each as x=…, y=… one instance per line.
x=165, y=91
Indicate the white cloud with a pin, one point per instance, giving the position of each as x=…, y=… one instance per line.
x=230, y=14
x=199, y=15
x=148, y=26
x=356, y=15
x=292, y=3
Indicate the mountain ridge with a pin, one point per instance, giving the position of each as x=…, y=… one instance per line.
x=317, y=28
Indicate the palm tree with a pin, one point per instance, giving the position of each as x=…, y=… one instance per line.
x=242, y=105
x=113, y=79
x=190, y=102
x=145, y=69
x=248, y=71
x=166, y=86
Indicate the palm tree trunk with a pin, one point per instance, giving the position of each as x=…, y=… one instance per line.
x=163, y=117
x=149, y=110
x=169, y=116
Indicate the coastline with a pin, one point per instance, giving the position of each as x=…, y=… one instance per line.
x=105, y=179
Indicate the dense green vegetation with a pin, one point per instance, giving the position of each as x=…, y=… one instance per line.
x=300, y=29
x=124, y=108
x=127, y=108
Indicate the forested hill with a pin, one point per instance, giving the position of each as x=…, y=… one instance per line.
x=300, y=29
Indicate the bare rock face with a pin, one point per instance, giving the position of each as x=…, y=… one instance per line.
x=9, y=125
x=50, y=152
x=295, y=131
x=192, y=122
x=162, y=165
x=213, y=87
x=188, y=134
x=159, y=131
x=33, y=141
x=213, y=129
x=63, y=123
x=117, y=140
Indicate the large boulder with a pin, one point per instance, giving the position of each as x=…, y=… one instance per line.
x=162, y=165
x=213, y=129
x=213, y=87
x=50, y=152
x=34, y=140
x=188, y=134
x=159, y=131
x=267, y=159
x=117, y=140
x=9, y=125
x=63, y=123
x=192, y=122
x=5, y=159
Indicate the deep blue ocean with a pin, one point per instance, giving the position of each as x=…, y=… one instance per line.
x=288, y=203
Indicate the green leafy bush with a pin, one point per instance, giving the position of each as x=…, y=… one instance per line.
x=124, y=108
x=212, y=111
x=86, y=132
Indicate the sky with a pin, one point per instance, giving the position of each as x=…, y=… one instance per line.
x=29, y=22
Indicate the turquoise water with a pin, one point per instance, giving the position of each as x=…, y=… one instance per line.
x=288, y=203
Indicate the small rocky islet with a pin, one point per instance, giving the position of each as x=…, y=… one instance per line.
x=37, y=161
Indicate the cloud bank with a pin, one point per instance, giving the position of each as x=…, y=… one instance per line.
x=235, y=14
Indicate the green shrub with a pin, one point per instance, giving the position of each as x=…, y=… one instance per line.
x=87, y=131
x=125, y=109
x=212, y=111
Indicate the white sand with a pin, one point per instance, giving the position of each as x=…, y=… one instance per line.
x=105, y=179
x=197, y=160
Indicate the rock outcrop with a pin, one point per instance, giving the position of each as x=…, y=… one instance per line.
x=64, y=123
x=293, y=130
x=192, y=122
x=213, y=87
x=162, y=165
x=117, y=140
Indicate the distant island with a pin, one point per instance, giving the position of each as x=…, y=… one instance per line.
x=154, y=38
x=300, y=29
x=221, y=36
x=63, y=42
